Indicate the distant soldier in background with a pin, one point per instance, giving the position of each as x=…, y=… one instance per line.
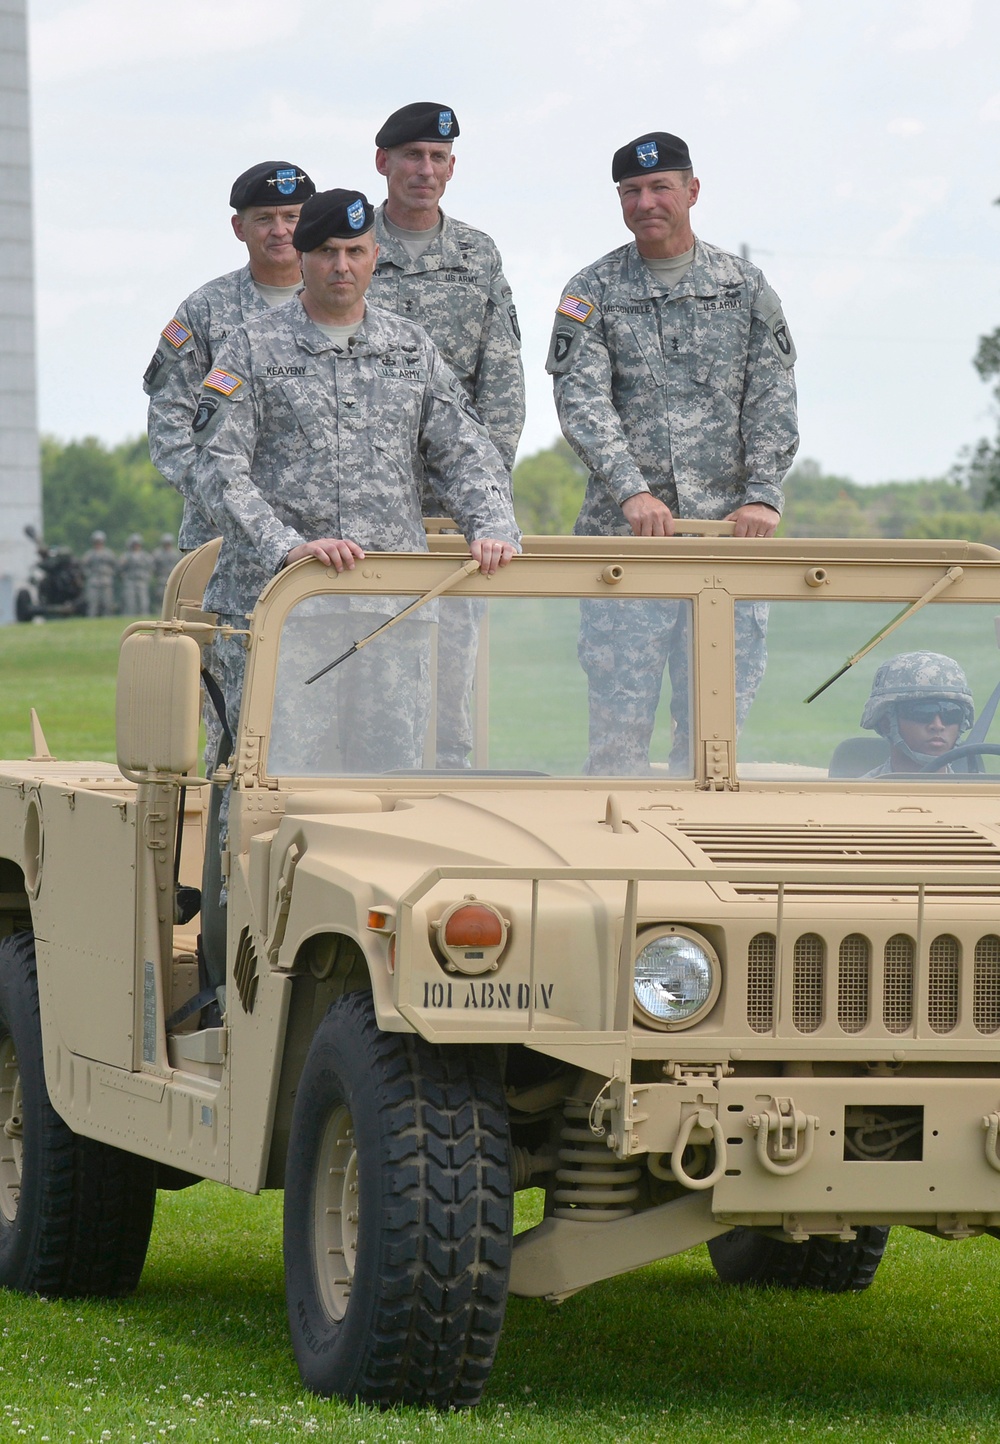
x=267, y=199
x=99, y=570
x=449, y=278
x=165, y=558
x=135, y=570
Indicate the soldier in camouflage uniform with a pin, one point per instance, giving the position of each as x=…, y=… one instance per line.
x=672, y=368
x=100, y=568
x=135, y=570
x=448, y=277
x=165, y=558
x=921, y=703
x=267, y=200
x=316, y=423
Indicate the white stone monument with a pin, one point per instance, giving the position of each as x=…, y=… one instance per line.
x=20, y=481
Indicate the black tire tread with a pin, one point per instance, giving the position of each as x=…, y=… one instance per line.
x=446, y=1239
x=744, y=1256
x=91, y=1204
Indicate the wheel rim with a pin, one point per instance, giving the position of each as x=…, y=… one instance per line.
x=11, y=1130
x=335, y=1213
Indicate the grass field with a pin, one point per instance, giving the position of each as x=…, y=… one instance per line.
x=201, y=1352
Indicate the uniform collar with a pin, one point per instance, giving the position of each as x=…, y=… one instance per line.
x=251, y=301
x=371, y=337
x=442, y=254
x=699, y=279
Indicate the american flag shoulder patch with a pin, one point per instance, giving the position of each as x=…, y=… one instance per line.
x=574, y=308
x=219, y=380
x=175, y=333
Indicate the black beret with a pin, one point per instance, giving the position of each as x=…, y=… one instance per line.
x=272, y=183
x=655, y=151
x=338, y=213
x=423, y=120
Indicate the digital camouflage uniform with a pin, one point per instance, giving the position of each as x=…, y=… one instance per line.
x=135, y=570
x=100, y=567
x=685, y=391
x=458, y=292
x=298, y=441
x=182, y=359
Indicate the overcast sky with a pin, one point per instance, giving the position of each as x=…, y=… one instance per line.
x=853, y=146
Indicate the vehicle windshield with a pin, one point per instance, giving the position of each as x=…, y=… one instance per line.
x=560, y=686
x=906, y=704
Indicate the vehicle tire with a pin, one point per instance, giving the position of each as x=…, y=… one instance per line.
x=744, y=1256
x=24, y=606
x=75, y=1214
x=398, y=1211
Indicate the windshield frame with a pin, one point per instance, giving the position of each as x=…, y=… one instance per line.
x=712, y=573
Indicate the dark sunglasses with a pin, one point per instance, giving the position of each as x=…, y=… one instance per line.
x=950, y=713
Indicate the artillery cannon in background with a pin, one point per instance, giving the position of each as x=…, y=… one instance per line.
x=56, y=584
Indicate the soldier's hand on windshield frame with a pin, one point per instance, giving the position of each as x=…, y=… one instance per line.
x=647, y=516
x=756, y=519
x=334, y=552
x=490, y=554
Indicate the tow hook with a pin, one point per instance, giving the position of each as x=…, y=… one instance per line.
x=991, y=1123
x=705, y=1120
x=778, y=1131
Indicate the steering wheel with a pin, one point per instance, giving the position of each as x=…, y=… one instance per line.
x=966, y=749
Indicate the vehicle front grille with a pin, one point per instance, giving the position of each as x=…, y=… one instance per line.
x=864, y=987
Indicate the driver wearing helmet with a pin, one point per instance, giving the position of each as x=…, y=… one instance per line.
x=921, y=703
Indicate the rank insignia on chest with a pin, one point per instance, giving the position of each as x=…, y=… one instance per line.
x=175, y=333
x=574, y=308
x=219, y=380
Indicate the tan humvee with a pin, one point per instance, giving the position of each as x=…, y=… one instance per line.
x=735, y=991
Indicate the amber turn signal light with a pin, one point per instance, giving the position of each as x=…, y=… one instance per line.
x=471, y=937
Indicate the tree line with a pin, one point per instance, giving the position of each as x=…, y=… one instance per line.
x=88, y=486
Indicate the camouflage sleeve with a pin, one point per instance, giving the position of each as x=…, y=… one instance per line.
x=499, y=373
x=580, y=366
x=225, y=430
x=768, y=419
x=171, y=382
x=470, y=473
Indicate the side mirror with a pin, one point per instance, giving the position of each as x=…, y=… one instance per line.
x=157, y=711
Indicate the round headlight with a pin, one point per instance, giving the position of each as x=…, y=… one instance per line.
x=677, y=978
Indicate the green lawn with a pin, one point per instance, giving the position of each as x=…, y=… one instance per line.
x=66, y=670
x=201, y=1353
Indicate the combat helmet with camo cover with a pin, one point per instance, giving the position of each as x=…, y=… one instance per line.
x=916, y=676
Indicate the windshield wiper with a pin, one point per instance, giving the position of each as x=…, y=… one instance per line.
x=953, y=574
x=464, y=571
